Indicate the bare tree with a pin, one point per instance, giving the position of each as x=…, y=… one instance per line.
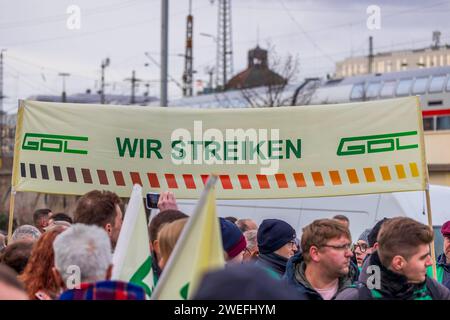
x=273, y=94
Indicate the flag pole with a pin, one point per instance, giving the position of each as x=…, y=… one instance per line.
x=11, y=213
x=430, y=224
x=426, y=182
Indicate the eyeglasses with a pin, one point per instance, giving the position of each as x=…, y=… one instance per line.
x=362, y=246
x=293, y=243
x=344, y=247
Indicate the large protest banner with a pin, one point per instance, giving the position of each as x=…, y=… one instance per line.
x=308, y=151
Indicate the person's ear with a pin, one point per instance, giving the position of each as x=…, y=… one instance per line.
x=398, y=263
x=108, y=274
x=108, y=228
x=314, y=254
x=58, y=279
x=161, y=263
x=156, y=247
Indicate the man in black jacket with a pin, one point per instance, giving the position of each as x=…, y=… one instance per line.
x=399, y=266
x=276, y=244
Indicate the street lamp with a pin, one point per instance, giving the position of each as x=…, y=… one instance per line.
x=64, y=75
x=105, y=63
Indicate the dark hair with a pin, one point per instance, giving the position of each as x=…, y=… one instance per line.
x=231, y=219
x=162, y=218
x=38, y=214
x=16, y=255
x=97, y=207
x=401, y=236
x=62, y=217
x=341, y=217
x=373, y=234
x=9, y=277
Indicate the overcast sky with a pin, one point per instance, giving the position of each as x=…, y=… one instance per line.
x=321, y=32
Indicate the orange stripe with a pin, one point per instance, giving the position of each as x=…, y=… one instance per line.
x=281, y=180
x=226, y=182
x=317, y=178
x=243, y=180
x=370, y=176
x=400, y=171
x=414, y=169
x=352, y=176
x=263, y=182
x=385, y=174
x=335, y=177
x=299, y=180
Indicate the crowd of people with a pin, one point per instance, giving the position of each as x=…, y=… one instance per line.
x=70, y=258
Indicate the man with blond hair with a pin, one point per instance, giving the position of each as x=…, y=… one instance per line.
x=399, y=266
x=322, y=269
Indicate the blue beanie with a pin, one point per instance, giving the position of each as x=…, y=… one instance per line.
x=273, y=234
x=233, y=239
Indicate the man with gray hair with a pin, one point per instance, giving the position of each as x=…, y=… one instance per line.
x=25, y=232
x=246, y=224
x=83, y=265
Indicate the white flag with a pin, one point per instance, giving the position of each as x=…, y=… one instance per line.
x=132, y=261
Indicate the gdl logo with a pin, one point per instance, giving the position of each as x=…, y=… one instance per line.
x=52, y=143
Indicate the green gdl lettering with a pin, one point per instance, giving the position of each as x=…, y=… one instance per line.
x=376, y=143
x=51, y=143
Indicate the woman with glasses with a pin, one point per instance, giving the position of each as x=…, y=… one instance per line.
x=361, y=248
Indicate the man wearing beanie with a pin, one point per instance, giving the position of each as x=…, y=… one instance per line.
x=443, y=261
x=276, y=244
x=233, y=241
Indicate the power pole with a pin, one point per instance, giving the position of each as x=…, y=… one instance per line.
x=105, y=63
x=370, y=57
x=224, y=64
x=133, y=81
x=64, y=75
x=188, y=57
x=1, y=104
x=164, y=50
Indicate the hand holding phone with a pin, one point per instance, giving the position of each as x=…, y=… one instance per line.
x=167, y=201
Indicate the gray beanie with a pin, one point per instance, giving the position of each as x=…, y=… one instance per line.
x=364, y=236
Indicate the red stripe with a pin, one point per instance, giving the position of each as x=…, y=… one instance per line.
x=153, y=179
x=189, y=181
x=281, y=180
x=102, y=177
x=118, y=176
x=440, y=112
x=205, y=178
x=243, y=180
x=171, y=181
x=226, y=182
x=136, y=178
x=263, y=182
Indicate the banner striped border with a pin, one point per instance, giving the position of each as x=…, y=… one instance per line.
x=227, y=182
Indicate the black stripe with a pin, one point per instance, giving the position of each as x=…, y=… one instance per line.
x=33, y=170
x=44, y=172
x=57, y=172
x=23, y=171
